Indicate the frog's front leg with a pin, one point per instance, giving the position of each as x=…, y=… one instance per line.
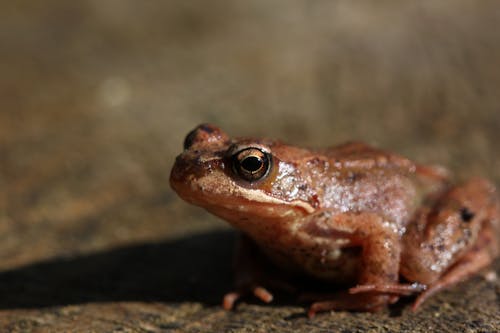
x=250, y=275
x=380, y=258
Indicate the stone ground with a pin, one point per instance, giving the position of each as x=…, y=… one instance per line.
x=95, y=100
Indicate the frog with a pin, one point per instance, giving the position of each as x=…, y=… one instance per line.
x=375, y=224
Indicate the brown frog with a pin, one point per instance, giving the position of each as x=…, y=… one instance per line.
x=350, y=214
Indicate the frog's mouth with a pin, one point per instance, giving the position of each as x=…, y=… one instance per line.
x=215, y=191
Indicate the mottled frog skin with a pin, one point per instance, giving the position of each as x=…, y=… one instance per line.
x=350, y=214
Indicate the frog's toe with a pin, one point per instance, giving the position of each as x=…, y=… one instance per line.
x=229, y=300
x=263, y=294
x=358, y=302
x=396, y=288
x=321, y=307
x=260, y=292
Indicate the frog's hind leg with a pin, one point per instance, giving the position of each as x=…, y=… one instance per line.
x=452, y=239
x=477, y=258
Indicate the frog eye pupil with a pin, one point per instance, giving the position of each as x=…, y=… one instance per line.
x=252, y=163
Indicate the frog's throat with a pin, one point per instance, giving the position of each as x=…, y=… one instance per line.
x=258, y=196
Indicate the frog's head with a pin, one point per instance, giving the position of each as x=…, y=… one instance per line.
x=242, y=180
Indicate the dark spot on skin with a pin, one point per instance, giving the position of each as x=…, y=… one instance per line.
x=353, y=176
x=198, y=161
x=189, y=140
x=315, y=201
x=206, y=128
x=466, y=214
x=392, y=277
x=313, y=161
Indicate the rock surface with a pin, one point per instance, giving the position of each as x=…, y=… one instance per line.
x=96, y=98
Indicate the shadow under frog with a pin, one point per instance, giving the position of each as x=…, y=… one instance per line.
x=196, y=268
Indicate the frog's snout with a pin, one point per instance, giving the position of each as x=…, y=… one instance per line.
x=184, y=167
x=192, y=165
x=198, y=158
x=181, y=174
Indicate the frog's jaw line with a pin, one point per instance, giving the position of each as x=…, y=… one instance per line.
x=210, y=191
x=258, y=196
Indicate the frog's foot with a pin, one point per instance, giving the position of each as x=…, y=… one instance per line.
x=260, y=292
x=395, y=289
x=254, y=286
x=476, y=259
x=352, y=302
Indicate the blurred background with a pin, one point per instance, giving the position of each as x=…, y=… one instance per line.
x=97, y=96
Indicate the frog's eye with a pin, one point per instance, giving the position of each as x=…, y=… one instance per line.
x=251, y=164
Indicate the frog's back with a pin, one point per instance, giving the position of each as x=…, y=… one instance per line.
x=363, y=178
x=359, y=155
